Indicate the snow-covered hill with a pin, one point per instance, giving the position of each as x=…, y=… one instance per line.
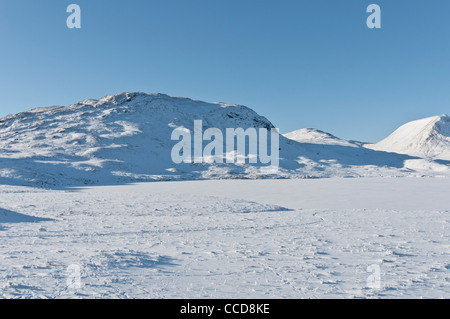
x=127, y=138
x=116, y=138
x=314, y=136
x=429, y=138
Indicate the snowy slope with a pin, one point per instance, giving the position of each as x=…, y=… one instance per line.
x=429, y=138
x=127, y=138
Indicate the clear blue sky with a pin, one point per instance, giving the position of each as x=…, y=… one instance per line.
x=300, y=63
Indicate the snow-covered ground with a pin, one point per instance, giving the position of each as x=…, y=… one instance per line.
x=228, y=239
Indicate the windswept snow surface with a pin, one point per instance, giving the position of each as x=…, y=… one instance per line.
x=228, y=239
x=126, y=138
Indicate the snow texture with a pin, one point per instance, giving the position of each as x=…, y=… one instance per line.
x=228, y=239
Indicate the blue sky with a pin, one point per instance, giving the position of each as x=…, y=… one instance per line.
x=299, y=63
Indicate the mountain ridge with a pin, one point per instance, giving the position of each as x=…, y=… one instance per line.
x=126, y=138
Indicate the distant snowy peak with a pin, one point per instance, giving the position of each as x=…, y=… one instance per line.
x=429, y=137
x=313, y=136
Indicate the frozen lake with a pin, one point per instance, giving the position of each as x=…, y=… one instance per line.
x=320, y=238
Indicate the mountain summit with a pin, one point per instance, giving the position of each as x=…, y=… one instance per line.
x=429, y=138
x=314, y=136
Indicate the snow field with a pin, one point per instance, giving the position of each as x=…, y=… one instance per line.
x=228, y=239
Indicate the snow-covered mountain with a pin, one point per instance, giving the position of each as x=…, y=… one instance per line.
x=127, y=138
x=314, y=136
x=118, y=137
x=429, y=138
